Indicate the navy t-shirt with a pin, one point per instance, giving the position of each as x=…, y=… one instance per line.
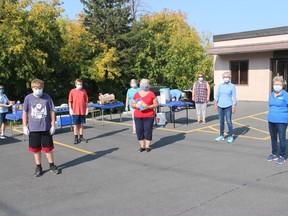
x=38, y=109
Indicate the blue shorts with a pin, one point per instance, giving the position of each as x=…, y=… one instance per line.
x=3, y=118
x=79, y=119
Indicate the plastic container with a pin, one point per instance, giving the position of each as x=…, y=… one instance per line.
x=63, y=120
x=165, y=95
x=161, y=119
x=14, y=109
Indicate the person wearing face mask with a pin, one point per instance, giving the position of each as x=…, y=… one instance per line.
x=144, y=102
x=39, y=124
x=225, y=102
x=4, y=105
x=78, y=109
x=277, y=120
x=201, y=96
x=129, y=97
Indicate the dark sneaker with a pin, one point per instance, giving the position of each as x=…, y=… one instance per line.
x=38, y=171
x=82, y=140
x=54, y=169
x=148, y=149
x=76, y=141
x=141, y=149
x=280, y=160
x=271, y=157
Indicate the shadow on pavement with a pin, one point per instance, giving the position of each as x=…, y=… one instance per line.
x=164, y=141
x=108, y=134
x=86, y=158
x=240, y=131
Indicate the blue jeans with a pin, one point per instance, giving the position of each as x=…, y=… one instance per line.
x=280, y=129
x=227, y=112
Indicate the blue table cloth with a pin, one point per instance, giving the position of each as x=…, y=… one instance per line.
x=103, y=107
x=172, y=105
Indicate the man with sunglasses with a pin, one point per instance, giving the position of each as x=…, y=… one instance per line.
x=4, y=105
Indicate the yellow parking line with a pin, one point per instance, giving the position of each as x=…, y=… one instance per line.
x=66, y=145
x=74, y=148
x=251, y=127
x=214, y=129
x=258, y=119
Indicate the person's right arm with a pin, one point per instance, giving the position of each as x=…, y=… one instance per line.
x=24, y=118
x=5, y=105
x=193, y=92
x=216, y=99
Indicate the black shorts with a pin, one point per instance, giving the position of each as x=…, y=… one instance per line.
x=40, y=141
x=3, y=118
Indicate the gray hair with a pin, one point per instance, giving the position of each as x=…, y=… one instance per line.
x=144, y=81
x=227, y=73
x=133, y=80
x=278, y=79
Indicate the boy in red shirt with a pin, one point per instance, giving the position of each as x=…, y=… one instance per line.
x=78, y=109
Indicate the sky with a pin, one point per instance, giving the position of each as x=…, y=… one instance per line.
x=214, y=16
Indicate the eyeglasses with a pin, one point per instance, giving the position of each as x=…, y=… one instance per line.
x=1, y=88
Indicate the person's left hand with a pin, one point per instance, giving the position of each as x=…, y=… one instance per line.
x=52, y=130
x=233, y=109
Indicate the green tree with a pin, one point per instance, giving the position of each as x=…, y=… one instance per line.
x=107, y=19
x=167, y=50
x=31, y=42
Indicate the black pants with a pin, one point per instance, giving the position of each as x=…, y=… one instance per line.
x=144, y=128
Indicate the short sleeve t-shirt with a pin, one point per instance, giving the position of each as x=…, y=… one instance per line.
x=79, y=100
x=147, y=99
x=38, y=109
x=130, y=94
x=3, y=100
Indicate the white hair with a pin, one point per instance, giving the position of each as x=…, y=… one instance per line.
x=227, y=73
x=144, y=81
x=278, y=79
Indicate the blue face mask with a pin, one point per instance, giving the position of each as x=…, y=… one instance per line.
x=1, y=91
x=38, y=92
x=277, y=88
x=144, y=87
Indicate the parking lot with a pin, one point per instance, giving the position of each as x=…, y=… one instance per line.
x=186, y=173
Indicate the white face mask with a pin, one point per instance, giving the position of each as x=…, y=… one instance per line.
x=133, y=85
x=226, y=80
x=200, y=78
x=79, y=86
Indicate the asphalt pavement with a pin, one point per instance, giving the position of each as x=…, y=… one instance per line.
x=186, y=173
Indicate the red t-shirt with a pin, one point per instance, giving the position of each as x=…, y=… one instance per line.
x=79, y=100
x=147, y=99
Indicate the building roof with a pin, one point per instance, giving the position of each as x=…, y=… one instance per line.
x=251, y=34
x=260, y=47
x=249, y=48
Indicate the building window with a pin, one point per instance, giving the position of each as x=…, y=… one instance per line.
x=239, y=71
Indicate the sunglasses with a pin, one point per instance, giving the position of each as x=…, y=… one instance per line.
x=1, y=88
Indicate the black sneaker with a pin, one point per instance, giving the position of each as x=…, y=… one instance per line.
x=141, y=149
x=76, y=141
x=38, y=171
x=83, y=140
x=148, y=149
x=54, y=169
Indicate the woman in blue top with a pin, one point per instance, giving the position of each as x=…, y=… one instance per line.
x=225, y=102
x=278, y=119
x=129, y=97
x=4, y=104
